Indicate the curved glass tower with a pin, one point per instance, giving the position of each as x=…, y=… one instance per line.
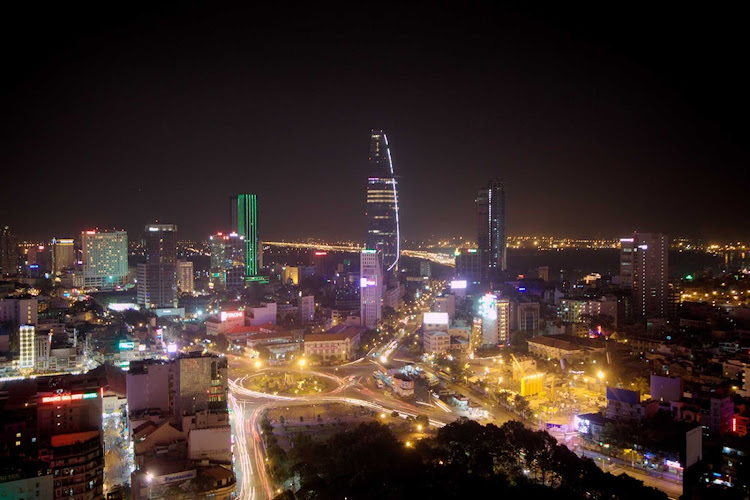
x=383, y=232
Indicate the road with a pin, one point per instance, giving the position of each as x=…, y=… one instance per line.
x=354, y=385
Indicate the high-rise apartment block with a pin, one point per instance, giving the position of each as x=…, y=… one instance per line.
x=105, y=259
x=383, y=232
x=245, y=223
x=157, y=277
x=185, y=276
x=644, y=269
x=491, y=229
x=370, y=288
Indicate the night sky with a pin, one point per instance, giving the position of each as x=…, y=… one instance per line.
x=600, y=121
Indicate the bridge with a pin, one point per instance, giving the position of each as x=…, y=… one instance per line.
x=439, y=258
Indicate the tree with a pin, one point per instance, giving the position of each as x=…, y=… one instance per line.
x=522, y=405
x=222, y=342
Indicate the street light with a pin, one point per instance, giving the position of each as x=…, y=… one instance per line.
x=302, y=362
x=257, y=364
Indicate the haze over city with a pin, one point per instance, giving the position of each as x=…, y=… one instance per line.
x=598, y=123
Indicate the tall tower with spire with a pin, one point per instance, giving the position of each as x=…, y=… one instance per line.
x=383, y=232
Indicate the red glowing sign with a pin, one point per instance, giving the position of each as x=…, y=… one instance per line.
x=67, y=398
x=320, y=254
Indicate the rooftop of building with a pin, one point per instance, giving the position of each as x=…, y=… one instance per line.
x=73, y=438
x=347, y=332
x=568, y=342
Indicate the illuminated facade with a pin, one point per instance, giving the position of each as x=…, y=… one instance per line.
x=370, y=288
x=383, y=232
x=157, y=278
x=63, y=254
x=644, y=268
x=491, y=229
x=227, y=261
x=495, y=314
x=185, y=276
x=27, y=356
x=105, y=258
x=245, y=224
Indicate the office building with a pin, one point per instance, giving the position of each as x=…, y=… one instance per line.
x=63, y=254
x=425, y=269
x=245, y=223
x=185, y=276
x=644, y=269
x=39, y=261
x=227, y=261
x=495, y=314
x=524, y=318
x=543, y=273
x=370, y=288
x=105, y=259
x=157, y=277
x=469, y=266
x=491, y=229
x=8, y=252
x=383, y=232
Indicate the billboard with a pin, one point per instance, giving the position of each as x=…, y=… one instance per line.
x=458, y=284
x=436, y=318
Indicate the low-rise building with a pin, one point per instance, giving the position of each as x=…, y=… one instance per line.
x=403, y=385
x=436, y=342
x=338, y=344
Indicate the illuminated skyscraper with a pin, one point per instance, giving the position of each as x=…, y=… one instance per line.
x=245, y=224
x=105, y=258
x=644, y=268
x=370, y=288
x=383, y=233
x=491, y=230
x=63, y=254
x=157, y=278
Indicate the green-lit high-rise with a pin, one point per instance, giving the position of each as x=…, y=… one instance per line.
x=245, y=223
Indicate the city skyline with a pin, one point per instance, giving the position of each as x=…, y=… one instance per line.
x=566, y=113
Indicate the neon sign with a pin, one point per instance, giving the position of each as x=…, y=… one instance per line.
x=225, y=315
x=65, y=398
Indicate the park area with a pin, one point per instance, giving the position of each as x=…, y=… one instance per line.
x=288, y=383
